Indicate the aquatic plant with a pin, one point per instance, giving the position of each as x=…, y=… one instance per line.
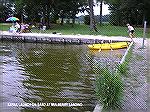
x=109, y=89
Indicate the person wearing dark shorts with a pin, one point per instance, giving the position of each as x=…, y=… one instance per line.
x=131, y=31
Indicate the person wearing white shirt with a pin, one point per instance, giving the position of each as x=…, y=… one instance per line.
x=130, y=31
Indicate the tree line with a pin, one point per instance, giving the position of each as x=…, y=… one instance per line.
x=49, y=11
x=129, y=11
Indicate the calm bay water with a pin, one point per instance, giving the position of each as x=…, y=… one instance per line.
x=43, y=73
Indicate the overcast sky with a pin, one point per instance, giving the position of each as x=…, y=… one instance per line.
x=97, y=10
x=105, y=10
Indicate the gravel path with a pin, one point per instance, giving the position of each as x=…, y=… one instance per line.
x=136, y=82
x=148, y=74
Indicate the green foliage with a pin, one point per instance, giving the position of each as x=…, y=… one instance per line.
x=129, y=11
x=5, y=10
x=122, y=11
x=48, y=10
x=109, y=89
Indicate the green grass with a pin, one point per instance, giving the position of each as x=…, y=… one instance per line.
x=123, y=68
x=67, y=29
x=5, y=26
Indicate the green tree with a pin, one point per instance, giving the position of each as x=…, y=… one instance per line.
x=49, y=10
x=6, y=9
x=132, y=11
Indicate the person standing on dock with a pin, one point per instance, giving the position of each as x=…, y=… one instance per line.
x=17, y=26
x=130, y=31
x=22, y=28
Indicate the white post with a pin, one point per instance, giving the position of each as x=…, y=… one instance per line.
x=144, y=34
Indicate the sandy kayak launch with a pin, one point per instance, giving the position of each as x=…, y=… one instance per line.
x=109, y=46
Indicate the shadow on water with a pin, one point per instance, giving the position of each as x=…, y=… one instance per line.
x=42, y=73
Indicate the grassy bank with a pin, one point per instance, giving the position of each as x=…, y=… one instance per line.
x=68, y=29
x=124, y=67
x=110, y=86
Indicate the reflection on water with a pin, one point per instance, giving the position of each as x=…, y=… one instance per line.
x=42, y=73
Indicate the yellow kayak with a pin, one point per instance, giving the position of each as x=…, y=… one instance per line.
x=109, y=46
